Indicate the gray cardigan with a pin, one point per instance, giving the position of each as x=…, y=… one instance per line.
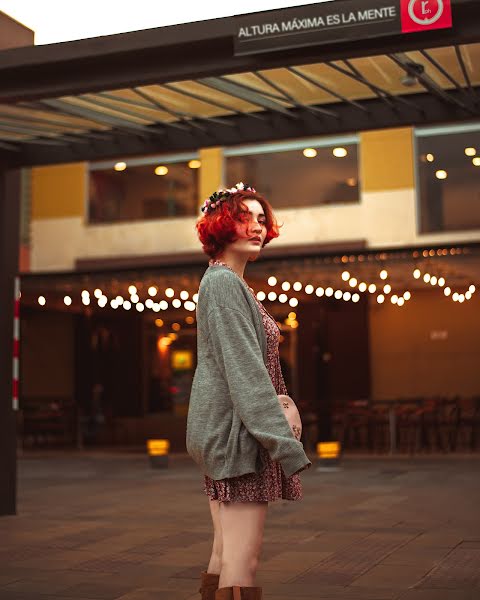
x=233, y=405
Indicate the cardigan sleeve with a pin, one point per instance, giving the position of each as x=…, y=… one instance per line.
x=237, y=352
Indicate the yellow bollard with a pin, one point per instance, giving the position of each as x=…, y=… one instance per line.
x=158, y=453
x=328, y=454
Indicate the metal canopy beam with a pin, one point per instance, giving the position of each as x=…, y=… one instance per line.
x=428, y=109
x=195, y=50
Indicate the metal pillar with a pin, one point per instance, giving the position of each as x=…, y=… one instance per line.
x=9, y=250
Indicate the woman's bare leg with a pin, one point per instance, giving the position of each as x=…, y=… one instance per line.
x=215, y=563
x=242, y=526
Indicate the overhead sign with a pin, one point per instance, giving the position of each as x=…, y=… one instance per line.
x=334, y=22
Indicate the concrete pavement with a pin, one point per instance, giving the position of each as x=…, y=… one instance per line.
x=105, y=526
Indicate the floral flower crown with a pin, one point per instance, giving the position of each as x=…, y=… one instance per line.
x=217, y=198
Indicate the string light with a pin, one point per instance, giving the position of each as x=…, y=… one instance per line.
x=152, y=290
x=309, y=289
x=184, y=295
x=285, y=286
x=320, y=292
x=127, y=305
x=272, y=281
x=176, y=303
x=261, y=296
x=132, y=290
x=41, y=300
x=383, y=274
x=272, y=296
x=293, y=302
x=283, y=298
x=169, y=293
x=67, y=300
x=139, y=306
x=297, y=286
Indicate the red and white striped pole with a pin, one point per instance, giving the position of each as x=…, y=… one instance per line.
x=16, y=343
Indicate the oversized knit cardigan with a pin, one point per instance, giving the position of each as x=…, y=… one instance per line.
x=233, y=405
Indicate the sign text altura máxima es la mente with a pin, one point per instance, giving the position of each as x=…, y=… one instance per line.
x=338, y=21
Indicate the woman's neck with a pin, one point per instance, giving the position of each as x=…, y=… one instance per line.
x=235, y=262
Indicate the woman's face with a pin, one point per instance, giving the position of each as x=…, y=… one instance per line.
x=251, y=234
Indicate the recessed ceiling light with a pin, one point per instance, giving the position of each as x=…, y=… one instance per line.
x=310, y=153
x=340, y=152
x=441, y=174
x=470, y=151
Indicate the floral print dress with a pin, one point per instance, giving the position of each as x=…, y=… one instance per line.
x=271, y=484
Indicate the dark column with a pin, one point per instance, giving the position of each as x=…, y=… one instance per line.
x=9, y=245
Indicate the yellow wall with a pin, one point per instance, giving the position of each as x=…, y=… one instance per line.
x=59, y=191
x=211, y=172
x=387, y=159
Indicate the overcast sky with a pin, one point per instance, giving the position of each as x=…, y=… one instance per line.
x=62, y=20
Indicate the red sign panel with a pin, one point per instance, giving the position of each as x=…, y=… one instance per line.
x=421, y=15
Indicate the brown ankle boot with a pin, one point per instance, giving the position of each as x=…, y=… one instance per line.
x=239, y=593
x=208, y=585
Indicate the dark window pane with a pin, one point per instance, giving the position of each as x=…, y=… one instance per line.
x=289, y=179
x=449, y=180
x=137, y=193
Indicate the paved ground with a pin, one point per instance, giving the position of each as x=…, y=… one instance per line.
x=104, y=527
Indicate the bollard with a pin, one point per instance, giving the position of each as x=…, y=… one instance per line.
x=158, y=453
x=328, y=456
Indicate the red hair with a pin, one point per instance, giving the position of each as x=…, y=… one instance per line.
x=217, y=229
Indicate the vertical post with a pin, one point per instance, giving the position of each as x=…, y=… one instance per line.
x=9, y=251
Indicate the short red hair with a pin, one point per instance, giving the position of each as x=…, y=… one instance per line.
x=216, y=229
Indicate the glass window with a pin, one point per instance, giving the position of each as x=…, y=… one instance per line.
x=448, y=175
x=299, y=173
x=143, y=189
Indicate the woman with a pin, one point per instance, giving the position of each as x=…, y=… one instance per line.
x=236, y=429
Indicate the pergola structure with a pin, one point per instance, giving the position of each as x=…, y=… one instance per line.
x=194, y=85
